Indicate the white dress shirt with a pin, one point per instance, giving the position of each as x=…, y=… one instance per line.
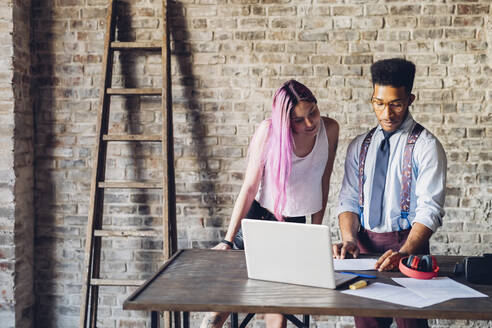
x=428, y=179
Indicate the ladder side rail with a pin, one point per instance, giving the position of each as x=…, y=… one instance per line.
x=168, y=184
x=92, y=254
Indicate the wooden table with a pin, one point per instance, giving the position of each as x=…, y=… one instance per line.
x=209, y=280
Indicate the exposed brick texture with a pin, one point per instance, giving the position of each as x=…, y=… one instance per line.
x=23, y=166
x=228, y=58
x=7, y=206
x=16, y=168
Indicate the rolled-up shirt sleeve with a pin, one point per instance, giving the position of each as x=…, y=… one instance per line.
x=348, y=200
x=430, y=189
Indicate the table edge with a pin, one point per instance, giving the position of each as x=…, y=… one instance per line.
x=403, y=313
x=151, y=279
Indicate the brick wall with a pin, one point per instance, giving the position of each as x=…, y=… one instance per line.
x=228, y=58
x=23, y=166
x=7, y=208
x=16, y=168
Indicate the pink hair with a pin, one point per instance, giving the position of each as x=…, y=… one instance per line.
x=278, y=151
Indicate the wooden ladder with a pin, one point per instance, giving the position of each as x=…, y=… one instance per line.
x=95, y=232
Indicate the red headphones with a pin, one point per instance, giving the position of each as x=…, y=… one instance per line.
x=424, y=267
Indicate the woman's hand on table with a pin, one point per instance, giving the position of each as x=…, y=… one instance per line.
x=222, y=246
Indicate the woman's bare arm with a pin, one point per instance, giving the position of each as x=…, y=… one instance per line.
x=332, y=131
x=251, y=183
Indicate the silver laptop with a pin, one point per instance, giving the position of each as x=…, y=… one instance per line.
x=291, y=253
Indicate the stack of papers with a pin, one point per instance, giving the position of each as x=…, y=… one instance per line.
x=354, y=264
x=416, y=293
x=443, y=287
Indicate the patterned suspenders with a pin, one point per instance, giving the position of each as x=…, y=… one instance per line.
x=362, y=163
x=406, y=186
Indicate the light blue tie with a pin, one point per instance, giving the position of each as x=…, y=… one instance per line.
x=379, y=181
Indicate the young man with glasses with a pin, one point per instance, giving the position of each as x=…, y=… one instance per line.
x=393, y=191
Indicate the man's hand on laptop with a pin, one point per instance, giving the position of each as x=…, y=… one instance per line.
x=340, y=250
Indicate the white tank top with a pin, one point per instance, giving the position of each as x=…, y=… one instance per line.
x=304, y=193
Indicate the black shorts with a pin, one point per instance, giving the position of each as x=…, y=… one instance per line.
x=257, y=212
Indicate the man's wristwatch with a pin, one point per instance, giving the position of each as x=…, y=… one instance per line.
x=230, y=244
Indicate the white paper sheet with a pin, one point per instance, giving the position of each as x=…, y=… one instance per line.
x=394, y=294
x=438, y=287
x=354, y=264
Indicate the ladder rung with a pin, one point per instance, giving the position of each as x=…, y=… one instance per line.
x=125, y=233
x=116, y=282
x=132, y=137
x=152, y=45
x=129, y=185
x=134, y=91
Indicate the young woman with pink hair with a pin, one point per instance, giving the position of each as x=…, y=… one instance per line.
x=288, y=174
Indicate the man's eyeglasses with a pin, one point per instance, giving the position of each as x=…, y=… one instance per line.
x=395, y=106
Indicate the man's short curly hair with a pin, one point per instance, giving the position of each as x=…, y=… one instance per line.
x=396, y=72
